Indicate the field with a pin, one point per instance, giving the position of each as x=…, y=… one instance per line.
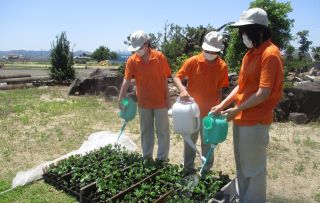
x=41, y=124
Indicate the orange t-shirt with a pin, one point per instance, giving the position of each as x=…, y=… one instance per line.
x=261, y=68
x=150, y=79
x=204, y=80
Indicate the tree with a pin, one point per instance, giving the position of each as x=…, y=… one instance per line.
x=180, y=43
x=280, y=26
x=304, y=43
x=289, y=52
x=61, y=59
x=103, y=53
x=316, y=52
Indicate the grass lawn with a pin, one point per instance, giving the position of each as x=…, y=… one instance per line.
x=41, y=124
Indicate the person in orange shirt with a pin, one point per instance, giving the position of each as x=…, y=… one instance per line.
x=258, y=92
x=207, y=74
x=150, y=70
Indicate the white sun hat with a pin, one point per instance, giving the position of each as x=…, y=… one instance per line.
x=137, y=40
x=252, y=16
x=213, y=41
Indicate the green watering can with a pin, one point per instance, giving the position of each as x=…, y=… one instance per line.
x=215, y=130
x=129, y=109
x=127, y=113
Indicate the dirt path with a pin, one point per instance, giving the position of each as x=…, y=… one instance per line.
x=35, y=72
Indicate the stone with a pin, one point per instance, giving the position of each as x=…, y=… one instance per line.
x=97, y=83
x=305, y=99
x=298, y=118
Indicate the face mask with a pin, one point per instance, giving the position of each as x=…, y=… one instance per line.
x=247, y=41
x=210, y=57
x=141, y=52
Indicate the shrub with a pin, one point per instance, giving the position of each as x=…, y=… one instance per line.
x=61, y=59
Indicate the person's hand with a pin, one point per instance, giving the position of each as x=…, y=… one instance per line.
x=216, y=110
x=184, y=96
x=231, y=113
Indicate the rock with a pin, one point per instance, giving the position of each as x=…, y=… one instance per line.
x=305, y=99
x=317, y=65
x=98, y=71
x=298, y=118
x=313, y=71
x=96, y=84
x=296, y=84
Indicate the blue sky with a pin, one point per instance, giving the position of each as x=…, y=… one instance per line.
x=33, y=24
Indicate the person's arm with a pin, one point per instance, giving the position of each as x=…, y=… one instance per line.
x=219, y=95
x=184, y=95
x=260, y=96
x=123, y=90
x=226, y=102
x=167, y=93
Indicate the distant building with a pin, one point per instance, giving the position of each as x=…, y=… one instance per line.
x=82, y=59
x=17, y=57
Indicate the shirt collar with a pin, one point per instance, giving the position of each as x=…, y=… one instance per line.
x=202, y=59
x=151, y=57
x=262, y=47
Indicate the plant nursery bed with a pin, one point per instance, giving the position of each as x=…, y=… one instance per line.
x=116, y=184
x=112, y=174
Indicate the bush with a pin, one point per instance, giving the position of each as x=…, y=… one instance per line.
x=297, y=65
x=61, y=59
x=121, y=69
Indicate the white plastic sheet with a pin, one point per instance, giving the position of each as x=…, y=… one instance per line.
x=95, y=141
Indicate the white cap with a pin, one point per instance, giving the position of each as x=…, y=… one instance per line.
x=137, y=40
x=213, y=41
x=252, y=16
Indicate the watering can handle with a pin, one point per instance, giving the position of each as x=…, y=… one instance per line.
x=186, y=102
x=214, y=116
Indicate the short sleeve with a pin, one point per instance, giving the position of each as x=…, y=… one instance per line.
x=184, y=71
x=166, y=67
x=269, y=70
x=224, y=79
x=128, y=75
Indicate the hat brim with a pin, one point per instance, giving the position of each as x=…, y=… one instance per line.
x=240, y=24
x=208, y=47
x=131, y=48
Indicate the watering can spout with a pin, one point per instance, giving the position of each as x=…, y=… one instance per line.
x=128, y=113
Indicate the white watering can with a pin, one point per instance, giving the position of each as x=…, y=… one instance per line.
x=186, y=120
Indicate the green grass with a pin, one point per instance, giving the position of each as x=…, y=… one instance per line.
x=38, y=125
x=36, y=192
x=278, y=199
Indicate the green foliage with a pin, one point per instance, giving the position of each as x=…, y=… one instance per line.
x=177, y=63
x=304, y=43
x=316, y=52
x=234, y=52
x=279, y=23
x=289, y=52
x=121, y=69
x=61, y=59
x=280, y=26
x=103, y=53
x=296, y=65
x=181, y=42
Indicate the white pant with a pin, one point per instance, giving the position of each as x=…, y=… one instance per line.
x=159, y=118
x=250, y=146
